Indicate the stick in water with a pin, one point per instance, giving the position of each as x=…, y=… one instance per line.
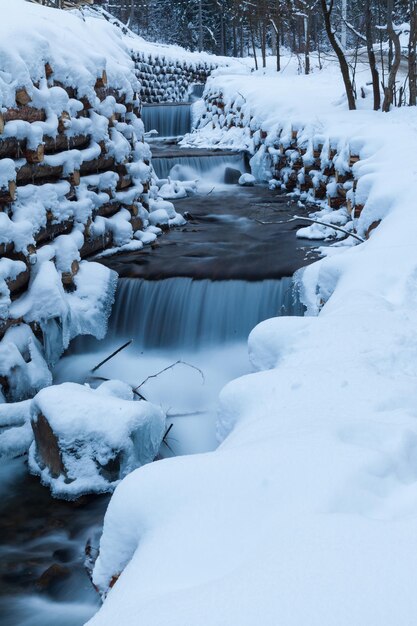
x=179, y=362
x=112, y=355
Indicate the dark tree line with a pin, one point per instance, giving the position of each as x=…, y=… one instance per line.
x=382, y=33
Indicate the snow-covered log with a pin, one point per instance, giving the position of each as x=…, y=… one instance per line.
x=86, y=440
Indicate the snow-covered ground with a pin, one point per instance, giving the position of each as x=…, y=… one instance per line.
x=306, y=513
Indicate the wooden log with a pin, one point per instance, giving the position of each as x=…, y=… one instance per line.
x=371, y=228
x=63, y=121
x=329, y=170
x=52, y=230
x=102, y=163
x=108, y=209
x=335, y=202
x=320, y=191
x=35, y=156
x=343, y=177
x=101, y=82
x=48, y=70
x=16, y=285
x=74, y=178
x=68, y=277
x=353, y=158
x=124, y=182
x=137, y=223
x=47, y=446
x=11, y=148
x=22, y=96
x=29, y=173
x=62, y=142
x=8, y=194
x=92, y=246
x=25, y=113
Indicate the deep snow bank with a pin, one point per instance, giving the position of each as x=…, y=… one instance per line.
x=306, y=512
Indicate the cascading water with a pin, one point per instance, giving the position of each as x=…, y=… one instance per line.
x=170, y=120
x=211, y=167
x=201, y=322
x=192, y=314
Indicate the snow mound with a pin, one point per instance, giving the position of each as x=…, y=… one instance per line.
x=100, y=435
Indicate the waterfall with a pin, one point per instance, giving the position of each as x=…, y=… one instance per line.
x=170, y=120
x=211, y=167
x=192, y=313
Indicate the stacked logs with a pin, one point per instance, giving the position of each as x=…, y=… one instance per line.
x=168, y=80
x=317, y=167
x=76, y=160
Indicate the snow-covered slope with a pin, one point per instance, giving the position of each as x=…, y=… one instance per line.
x=306, y=512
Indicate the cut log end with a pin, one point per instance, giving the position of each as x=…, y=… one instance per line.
x=22, y=96
x=47, y=446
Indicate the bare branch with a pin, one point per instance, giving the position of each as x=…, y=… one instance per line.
x=169, y=367
x=125, y=345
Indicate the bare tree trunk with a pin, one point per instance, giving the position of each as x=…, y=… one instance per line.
x=307, y=28
x=234, y=38
x=241, y=41
x=395, y=39
x=277, y=42
x=344, y=27
x=412, y=62
x=132, y=14
x=200, y=25
x=252, y=37
x=344, y=68
x=371, y=57
x=263, y=42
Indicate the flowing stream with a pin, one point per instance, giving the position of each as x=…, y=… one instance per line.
x=190, y=320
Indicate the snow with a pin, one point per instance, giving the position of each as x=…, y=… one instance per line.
x=93, y=428
x=247, y=180
x=305, y=514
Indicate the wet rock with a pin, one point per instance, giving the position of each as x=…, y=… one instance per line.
x=64, y=555
x=54, y=574
x=231, y=176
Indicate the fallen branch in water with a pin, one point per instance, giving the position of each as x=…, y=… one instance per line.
x=125, y=345
x=313, y=221
x=164, y=439
x=179, y=362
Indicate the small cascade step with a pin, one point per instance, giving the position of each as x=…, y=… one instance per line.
x=191, y=313
x=169, y=120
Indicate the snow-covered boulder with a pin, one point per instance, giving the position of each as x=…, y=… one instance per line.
x=87, y=439
x=247, y=180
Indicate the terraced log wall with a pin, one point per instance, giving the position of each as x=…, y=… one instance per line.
x=71, y=185
x=167, y=80
x=317, y=166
